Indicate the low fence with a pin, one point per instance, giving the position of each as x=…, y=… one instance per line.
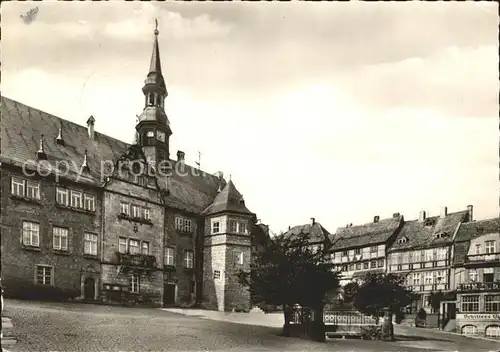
x=347, y=323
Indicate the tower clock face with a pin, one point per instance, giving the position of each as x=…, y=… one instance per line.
x=160, y=136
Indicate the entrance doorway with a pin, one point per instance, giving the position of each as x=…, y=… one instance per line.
x=168, y=294
x=89, y=288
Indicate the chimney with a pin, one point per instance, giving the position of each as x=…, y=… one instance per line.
x=40, y=154
x=180, y=155
x=90, y=126
x=313, y=221
x=376, y=218
x=396, y=215
x=85, y=165
x=421, y=217
x=470, y=212
x=289, y=227
x=444, y=212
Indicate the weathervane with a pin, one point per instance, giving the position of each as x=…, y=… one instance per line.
x=156, y=27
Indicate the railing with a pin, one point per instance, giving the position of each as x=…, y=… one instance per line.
x=484, y=257
x=137, y=260
x=479, y=286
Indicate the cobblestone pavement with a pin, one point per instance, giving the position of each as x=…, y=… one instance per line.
x=83, y=327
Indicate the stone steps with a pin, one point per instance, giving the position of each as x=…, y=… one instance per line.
x=7, y=337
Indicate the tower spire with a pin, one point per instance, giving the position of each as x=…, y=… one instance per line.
x=155, y=65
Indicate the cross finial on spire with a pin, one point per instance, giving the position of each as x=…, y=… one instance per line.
x=156, y=27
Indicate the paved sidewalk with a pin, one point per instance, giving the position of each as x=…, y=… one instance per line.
x=274, y=320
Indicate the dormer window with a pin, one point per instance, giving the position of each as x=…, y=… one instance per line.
x=402, y=240
x=428, y=222
x=440, y=235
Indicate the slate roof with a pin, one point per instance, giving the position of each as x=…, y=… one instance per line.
x=316, y=232
x=468, y=231
x=22, y=127
x=228, y=200
x=367, y=234
x=418, y=235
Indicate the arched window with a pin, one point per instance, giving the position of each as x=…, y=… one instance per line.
x=492, y=331
x=151, y=99
x=469, y=330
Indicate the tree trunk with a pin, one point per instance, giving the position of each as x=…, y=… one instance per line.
x=287, y=318
x=388, y=327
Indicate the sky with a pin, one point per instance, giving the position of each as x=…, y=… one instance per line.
x=339, y=111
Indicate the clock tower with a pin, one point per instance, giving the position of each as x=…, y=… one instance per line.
x=153, y=126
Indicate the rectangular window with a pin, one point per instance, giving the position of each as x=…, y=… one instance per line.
x=416, y=278
x=238, y=258
x=122, y=245
x=490, y=246
x=188, y=259
x=60, y=238
x=179, y=223
x=187, y=226
x=136, y=211
x=90, y=244
x=469, y=304
x=373, y=264
x=473, y=275
x=145, y=248
x=345, y=253
x=33, y=190
x=17, y=186
x=357, y=251
x=366, y=265
x=62, y=196
x=31, y=234
x=374, y=249
x=492, y=303
x=351, y=267
x=216, y=227
x=124, y=208
x=358, y=266
x=134, y=283
x=169, y=256
x=233, y=226
x=44, y=275
x=428, y=278
x=478, y=249
x=216, y=274
x=134, y=247
x=429, y=255
x=380, y=263
x=242, y=227
x=147, y=214
x=89, y=202
x=76, y=199
x=442, y=254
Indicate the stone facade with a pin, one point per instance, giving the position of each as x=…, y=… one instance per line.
x=67, y=265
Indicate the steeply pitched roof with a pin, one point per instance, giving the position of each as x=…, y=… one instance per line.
x=423, y=234
x=468, y=231
x=228, y=200
x=22, y=126
x=367, y=234
x=316, y=233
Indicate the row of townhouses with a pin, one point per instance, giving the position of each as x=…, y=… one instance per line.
x=450, y=252
x=104, y=220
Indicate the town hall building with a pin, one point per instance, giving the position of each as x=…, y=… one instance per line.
x=90, y=217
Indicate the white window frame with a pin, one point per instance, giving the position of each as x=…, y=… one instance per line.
x=492, y=331
x=238, y=258
x=59, y=236
x=18, y=186
x=90, y=243
x=217, y=274
x=233, y=226
x=473, y=275
x=416, y=279
x=134, y=246
x=31, y=234
x=187, y=226
x=242, y=227
x=492, y=303
x=490, y=247
x=76, y=199
x=169, y=256
x=122, y=242
x=477, y=249
x=62, y=196
x=134, y=283
x=145, y=247
x=467, y=328
x=135, y=211
x=89, y=202
x=471, y=302
x=147, y=213
x=179, y=223
x=216, y=228
x=125, y=208
x=428, y=278
x=373, y=249
x=189, y=259
x=33, y=185
x=45, y=273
